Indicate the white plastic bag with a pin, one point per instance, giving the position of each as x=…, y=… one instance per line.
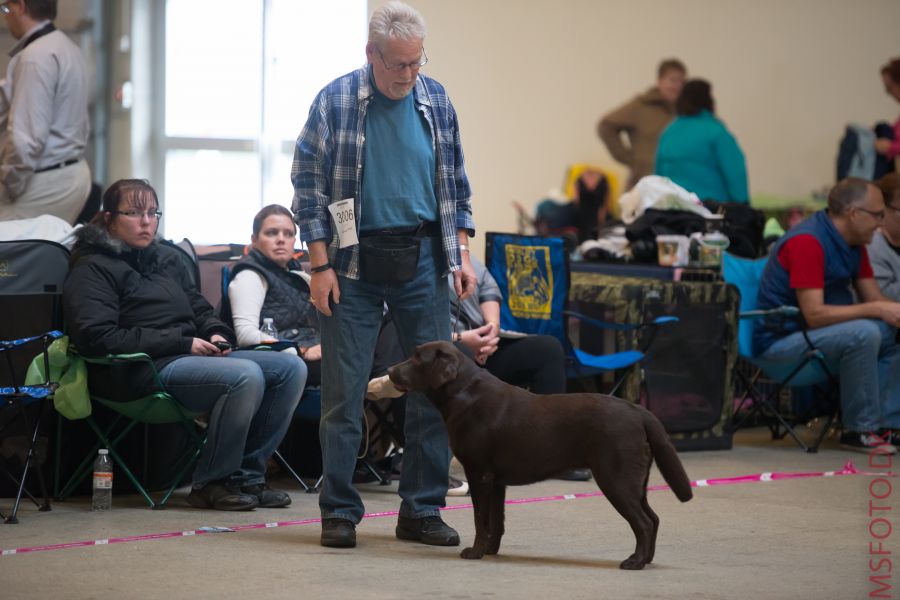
x=654, y=191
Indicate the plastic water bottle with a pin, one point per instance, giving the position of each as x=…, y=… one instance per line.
x=103, y=481
x=268, y=329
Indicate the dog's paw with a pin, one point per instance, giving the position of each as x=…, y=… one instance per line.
x=632, y=563
x=471, y=554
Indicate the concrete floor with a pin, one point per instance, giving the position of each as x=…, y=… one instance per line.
x=794, y=538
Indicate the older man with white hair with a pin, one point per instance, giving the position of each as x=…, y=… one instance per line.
x=382, y=201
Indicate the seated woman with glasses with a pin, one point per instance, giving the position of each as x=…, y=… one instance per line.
x=270, y=283
x=128, y=293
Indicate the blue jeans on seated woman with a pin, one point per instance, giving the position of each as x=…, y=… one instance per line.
x=250, y=397
x=864, y=356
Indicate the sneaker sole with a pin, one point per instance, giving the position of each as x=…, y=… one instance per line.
x=337, y=542
x=235, y=508
x=196, y=503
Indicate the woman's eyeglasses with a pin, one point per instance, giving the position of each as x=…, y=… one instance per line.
x=137, y=214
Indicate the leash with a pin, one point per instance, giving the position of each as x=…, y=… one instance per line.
x=455, y=324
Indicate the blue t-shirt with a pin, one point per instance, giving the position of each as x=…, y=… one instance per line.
x=398, y=178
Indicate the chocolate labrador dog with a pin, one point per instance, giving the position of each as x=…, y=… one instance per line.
x=504, y=435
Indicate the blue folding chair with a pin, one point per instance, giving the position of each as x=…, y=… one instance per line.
x=20, y=397
x=533, y=275
x=32, y=273
x=807, y=369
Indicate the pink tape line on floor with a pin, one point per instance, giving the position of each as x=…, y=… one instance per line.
x=848, y=469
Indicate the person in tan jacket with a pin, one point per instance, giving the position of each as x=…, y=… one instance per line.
x=642, y=119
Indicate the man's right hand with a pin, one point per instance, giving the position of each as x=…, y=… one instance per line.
x=321, y=286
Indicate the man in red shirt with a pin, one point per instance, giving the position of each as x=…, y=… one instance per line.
x=817, y=266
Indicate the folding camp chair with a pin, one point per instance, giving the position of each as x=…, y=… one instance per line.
x=533, y=275
x=156, y=408
x=20, y=397
x=31, y=276
x=807, y=369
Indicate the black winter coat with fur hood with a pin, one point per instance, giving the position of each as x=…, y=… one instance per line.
x=117, y=299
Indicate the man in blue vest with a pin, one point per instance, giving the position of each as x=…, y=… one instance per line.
x=817, y=266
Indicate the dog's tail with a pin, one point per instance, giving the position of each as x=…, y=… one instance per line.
x=667, y=459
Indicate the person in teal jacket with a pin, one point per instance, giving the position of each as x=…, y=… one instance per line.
x=697, y=151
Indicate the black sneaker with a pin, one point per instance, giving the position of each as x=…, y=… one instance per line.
x=867, y=441
x=338, y=533
x=428, y=530
x=221, y=495
x=268, y=498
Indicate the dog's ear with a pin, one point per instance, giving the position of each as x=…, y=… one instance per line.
x=443, y=368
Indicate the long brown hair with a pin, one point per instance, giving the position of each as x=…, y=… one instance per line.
x=139, y=191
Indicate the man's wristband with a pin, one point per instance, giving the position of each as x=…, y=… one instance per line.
x=463, y=248
x=321, y=268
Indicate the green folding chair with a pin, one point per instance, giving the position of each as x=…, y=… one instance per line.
x=157, y=408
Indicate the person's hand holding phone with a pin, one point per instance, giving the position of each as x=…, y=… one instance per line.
x=222, y=346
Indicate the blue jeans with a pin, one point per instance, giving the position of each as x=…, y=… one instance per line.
x=421, y=313
x=250, y=397
x=863, y=354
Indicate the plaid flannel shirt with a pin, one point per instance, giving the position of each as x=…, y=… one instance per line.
x=329, y=156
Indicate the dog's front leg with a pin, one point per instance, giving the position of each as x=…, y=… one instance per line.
x=495, y=518
x=481, y=500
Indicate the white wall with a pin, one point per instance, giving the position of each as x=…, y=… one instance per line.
x=530, y=79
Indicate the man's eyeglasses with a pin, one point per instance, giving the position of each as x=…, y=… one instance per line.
x=413, y=66
x=878, y=214
x=137, y=214
x=4, y=8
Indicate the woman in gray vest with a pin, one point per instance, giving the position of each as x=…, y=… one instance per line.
x=269, y=284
